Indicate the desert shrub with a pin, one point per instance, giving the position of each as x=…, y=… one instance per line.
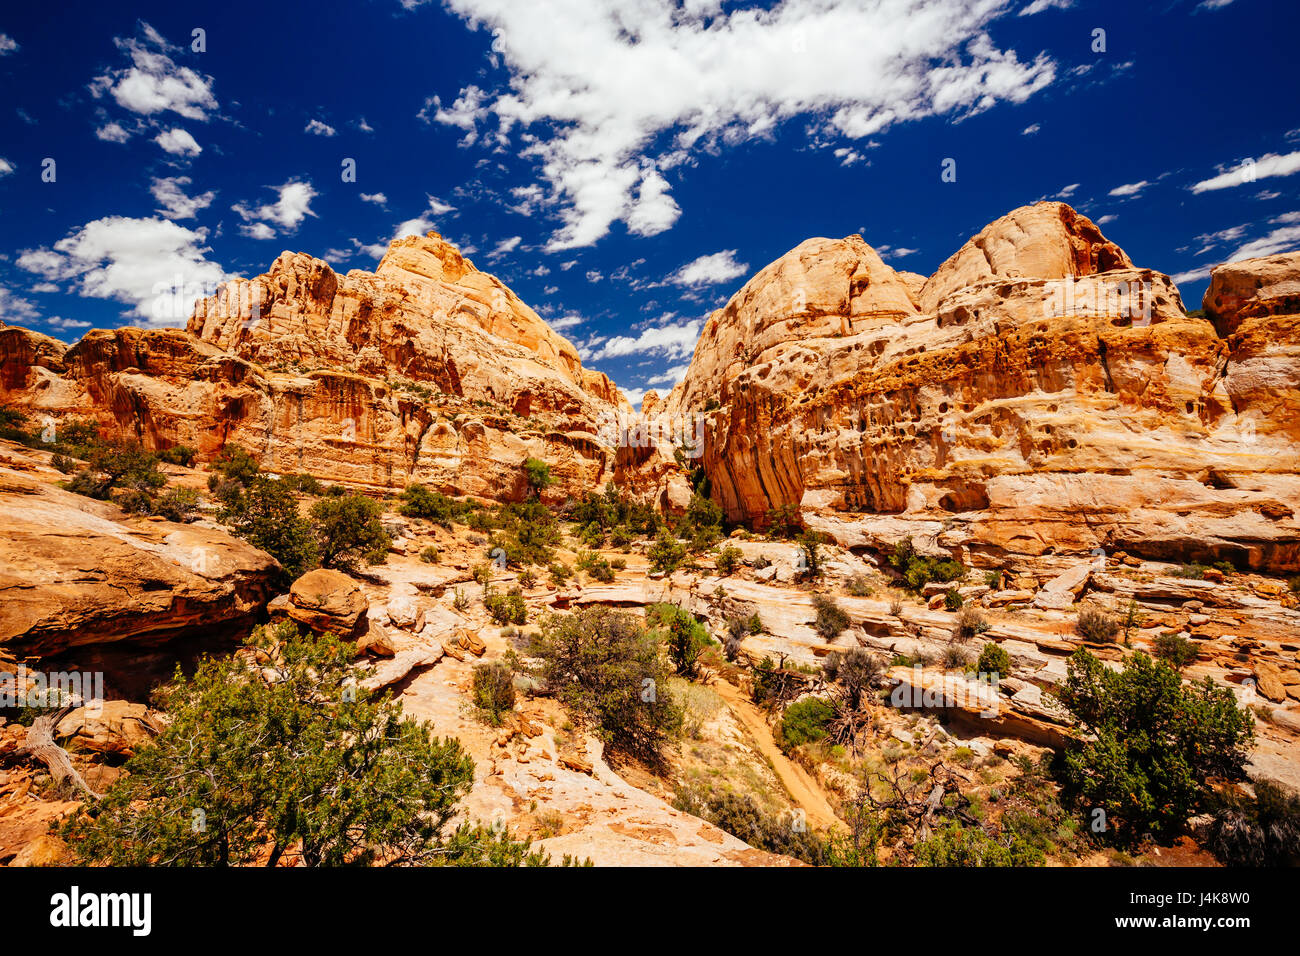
x=460, y=600
x=430, y=555
x=482, y=573
x=304, y=483
x=1149, y=743
x=232, y=464
x=607, y=669
x=1174, y=649
x=110, y=466
x=685, y=637
x=784, y=522
x=970, y=624
x=178, y=455
x=526, y=532
x=855, y=672
x=494, y=690
x=993, y=579
x=538, y=475
x=831, y=618
x=804, y=722
x=176, y=504
x=952, y=600
x=611, y=511
x=1193, y=571
x=1264, y=831
x=420, y=502
x=618, y=564
x=666, y=554
x=506, y=607
x=858, y=586
x=955, y=658
x=266, y=514
x=559, y=573
x=621, y=537
x=349, y=529
x=755, y=623
x=918, y=570
x=994, y=660
x=736, y=631
x=592, y=535
x=527, y=578
x=728, y=559
x=1096, y=626
x=310, y=766
x=958, y=845
x=742, y=817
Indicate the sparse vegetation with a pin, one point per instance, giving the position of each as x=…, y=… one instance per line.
x=1150, y=744
x=918, y=570
x=685, y=636
x=1174, y=649
x=831, y=618
x=1096, y=626
x=494, y=689
x=994, y=660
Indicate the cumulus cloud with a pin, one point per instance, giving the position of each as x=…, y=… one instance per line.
x=317, y=128
x=7, y=44
x=112, y=133
x=178, y=142
x=16, y=307
x=379, y=199
x=672, y=340
x=174, y=203
x=423, y=223
x=710, y=270
x=288, y=211
x=607, y=96
x=1268, y=165
x=6, y=167
x=153, y=265
x=155, y=83
x=504, y=247
x=1031, y=129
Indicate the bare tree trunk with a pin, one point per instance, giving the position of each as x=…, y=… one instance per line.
x=40, y=744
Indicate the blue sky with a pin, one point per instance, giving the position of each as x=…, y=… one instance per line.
x=624, y=165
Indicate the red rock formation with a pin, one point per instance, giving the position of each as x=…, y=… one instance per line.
x=1043, y=395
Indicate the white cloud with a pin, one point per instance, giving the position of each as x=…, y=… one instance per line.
x=154, y=83
x=710, y=270
x=112, y=133
x=889, y=252
x=45, y=287
x=1213, y=4
x=568, y=322
x=156, y=266
x=1268, y=165
x=178, y=142
x=1105, y=219
x=173, y=201
x=58, y=322
x=287, y=212
x=1130, y=189
x=379, y=199
x=669, y=376
x=606, y=96
x=15, y=307
x=505, y=246
x=7, y=44
x=674, y=340
x=317, y=128
x=6, y=167
x=1031, y=129
x=848, y=156
x=1282, y=239
x=1067, y=191
x=1038, y=6
x=422, y=224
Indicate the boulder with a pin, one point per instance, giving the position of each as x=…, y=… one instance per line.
x=326, y=601
x=111, y=727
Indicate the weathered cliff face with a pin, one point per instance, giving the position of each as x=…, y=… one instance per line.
x=1039, y=394
x=77, y=572
x=426, y=370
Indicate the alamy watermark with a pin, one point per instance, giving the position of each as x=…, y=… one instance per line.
x=46, y=689
x=632, y=430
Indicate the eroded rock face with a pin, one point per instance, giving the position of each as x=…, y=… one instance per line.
x=1038, y=395
x=77, y=572
x=426, y=370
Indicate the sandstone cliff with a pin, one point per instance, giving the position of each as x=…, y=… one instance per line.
x=425, y=370
x=1039, y=394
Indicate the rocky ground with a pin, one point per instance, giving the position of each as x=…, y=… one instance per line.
x=546, y=779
